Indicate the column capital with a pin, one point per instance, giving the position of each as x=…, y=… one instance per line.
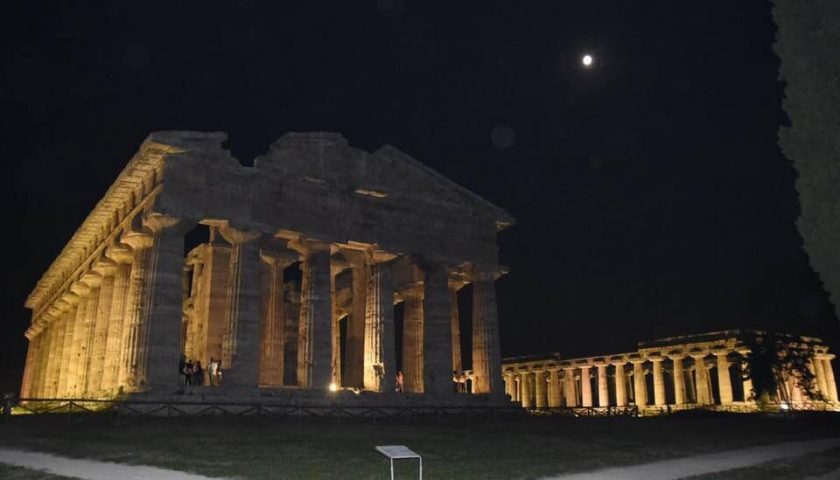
x=655, y=357
x=138, y=239
x=278, y=255
x=105, y=267
x=618, y=361
x=721, y=352
x=239, y=236
x=479, y=273
x=72, y=298
x=80, y=288
x=826, y=356
x=600, y=362
x=119, y=253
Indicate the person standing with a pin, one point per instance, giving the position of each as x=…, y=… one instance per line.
x=212, y=371
x=399, y=382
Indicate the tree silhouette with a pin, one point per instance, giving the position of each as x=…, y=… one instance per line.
x=774, y=362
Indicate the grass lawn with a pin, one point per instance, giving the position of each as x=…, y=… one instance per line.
x=812, y=465
x=8, y=472
x=457, y=447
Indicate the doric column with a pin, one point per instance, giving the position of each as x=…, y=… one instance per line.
x=272, y=327
x=569, y=387
x=437, y=331
x=413, y=338
x=525, y=390
x=315, y=327
x=354, y=342
x=94, y=280
x=540, y=384
x=240, y=355
x=701, y=379
x=159, y=345
x=724, y=381
x=32, y=350
x=380, y=350
x=509, y=384
x=487, y=358
x=795, y=391
x=66, y=360
x=658, y=381
x=830, y=381
x=49, y=373
x=603, y=386
x=456, y=283
x=140, y=240
x=639, y=386
x=74, y=370
x=679, y=379
x=819, y=377
x=585, y=386
x=744, y=374
x=555, y=390
x=118, y=325
x=620, y=384
x=106, y=269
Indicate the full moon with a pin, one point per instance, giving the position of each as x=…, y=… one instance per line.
x=587, y=60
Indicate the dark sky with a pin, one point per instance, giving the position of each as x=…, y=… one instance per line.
x=650, y=194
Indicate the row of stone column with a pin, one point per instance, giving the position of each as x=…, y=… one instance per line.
x=119, y=325
x=548, y=388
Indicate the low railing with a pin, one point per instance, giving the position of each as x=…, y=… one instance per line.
x=45, y=406
x=611, y=411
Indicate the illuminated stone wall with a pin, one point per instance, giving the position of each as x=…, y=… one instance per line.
x=122, y=303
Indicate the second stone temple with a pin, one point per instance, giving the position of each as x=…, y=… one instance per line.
x=307, y=259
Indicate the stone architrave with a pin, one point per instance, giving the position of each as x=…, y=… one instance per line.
x=585, y=386
x=487, y=358
x=413, y=318
x=159, y=348
x=724, y=380
x=315, y=328
x=106, y=269
x=679, y=379
x=380, y=351
x=437, y=331
x=121, y=255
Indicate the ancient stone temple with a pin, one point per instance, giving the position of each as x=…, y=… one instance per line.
x=676, y=373
x=304, y=265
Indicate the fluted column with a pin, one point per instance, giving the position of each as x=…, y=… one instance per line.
x=724, y=381
x=639, y=386
x=658, y=381
x=50, y=373
x=159, y=345
x=455, y=284
x=315, y=327
x=620, y=384
x=509, y=384
x=437, y=331
x=380, y=351
x=555, y=391
x=29, y=367
x=240, y=355
x=525, y=390
x=744, y=373
x=140, y=240
x=830, y=381
x=272, y=327
x=702, y=380
x=73, y=370
x=66, y=361
x=94, y=280
x=413, y=318
x=106, y=269
x=679, y=380
x=603, y=386
x=117, y=321
x=540, y=384
x=569, y=387
x=487, y=358
x=585, y=386
x=819, y=376
x=354, y=342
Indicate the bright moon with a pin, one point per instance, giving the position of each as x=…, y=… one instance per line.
x=587, y=60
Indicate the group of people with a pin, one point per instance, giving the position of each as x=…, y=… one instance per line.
x=192, y=373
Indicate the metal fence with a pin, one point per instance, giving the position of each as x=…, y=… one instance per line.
x=612, y=411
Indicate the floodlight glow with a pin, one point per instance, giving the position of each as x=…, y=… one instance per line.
x=333, y=387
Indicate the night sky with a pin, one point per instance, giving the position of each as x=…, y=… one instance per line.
x=650, y=194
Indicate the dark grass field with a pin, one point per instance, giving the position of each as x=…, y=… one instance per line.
x=452, y=447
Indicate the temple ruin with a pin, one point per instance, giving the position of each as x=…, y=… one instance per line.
x=306, y=256
x=675, y=373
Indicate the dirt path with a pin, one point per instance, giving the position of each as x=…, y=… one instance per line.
x=703, y=464
x=89, y=469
